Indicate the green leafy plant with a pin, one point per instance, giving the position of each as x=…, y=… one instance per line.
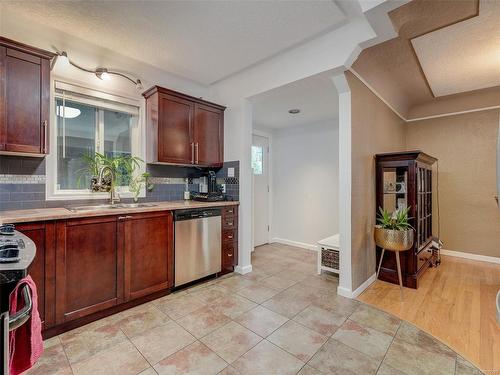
x=397, y=220
x=123, y=166
x=136, y=183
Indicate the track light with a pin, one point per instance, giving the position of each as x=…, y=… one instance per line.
x=101, y=73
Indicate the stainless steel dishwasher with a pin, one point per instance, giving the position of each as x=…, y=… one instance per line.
x=197, y=244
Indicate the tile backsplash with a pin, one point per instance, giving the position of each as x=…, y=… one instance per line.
x=22, y=183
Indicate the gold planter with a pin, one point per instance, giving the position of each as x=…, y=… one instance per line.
x=395, y=240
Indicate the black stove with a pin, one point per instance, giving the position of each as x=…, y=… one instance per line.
x=17, y=252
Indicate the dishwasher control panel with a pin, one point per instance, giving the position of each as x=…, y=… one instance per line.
x=196, y=214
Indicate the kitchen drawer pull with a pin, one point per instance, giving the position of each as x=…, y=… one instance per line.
x=230, y=223
x=230, y=254
x=230, y=236
x=124, y=217
x=229, y=211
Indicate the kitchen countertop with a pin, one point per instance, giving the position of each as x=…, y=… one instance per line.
x=61, y=213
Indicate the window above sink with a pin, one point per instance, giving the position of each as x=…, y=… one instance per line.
x=84, y=122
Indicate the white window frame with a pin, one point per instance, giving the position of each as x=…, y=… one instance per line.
x=137, y=140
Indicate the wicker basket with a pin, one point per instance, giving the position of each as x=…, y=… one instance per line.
x=330, y=258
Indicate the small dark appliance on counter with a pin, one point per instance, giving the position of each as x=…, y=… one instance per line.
x=17, y=252
x=214, y=193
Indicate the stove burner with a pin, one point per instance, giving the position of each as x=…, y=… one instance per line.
x=7, y=229
x=9, y=251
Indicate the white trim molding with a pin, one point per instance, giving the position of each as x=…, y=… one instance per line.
x=302, y=245
x=344, y=292
x=243, y=270
x=470, y=256
x=407, y=120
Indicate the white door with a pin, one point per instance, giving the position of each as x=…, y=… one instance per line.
x=260, y=167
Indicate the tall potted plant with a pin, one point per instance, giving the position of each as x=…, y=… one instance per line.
x=393, y=230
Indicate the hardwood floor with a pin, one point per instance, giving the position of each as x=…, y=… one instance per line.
x=455, y=303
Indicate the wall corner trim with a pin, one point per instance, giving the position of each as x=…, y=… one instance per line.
x=302, y=245
x=344, y=292
x=476, y=257
x=243, y=270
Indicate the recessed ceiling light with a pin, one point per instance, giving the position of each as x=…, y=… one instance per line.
x=294, y=111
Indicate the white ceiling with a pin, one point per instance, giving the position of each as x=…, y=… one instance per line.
x=464, y=56
x=205, y=41
x=315, y=96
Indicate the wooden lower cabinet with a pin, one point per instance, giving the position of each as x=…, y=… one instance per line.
x=42, y=270
x=89, y=267
x=229, y=256
x=148, y=250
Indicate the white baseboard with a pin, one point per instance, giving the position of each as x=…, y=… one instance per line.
x=243, y=270
x=302, y=245
x=481, y=258
x=344, y=292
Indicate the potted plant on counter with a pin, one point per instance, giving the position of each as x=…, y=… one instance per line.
x=125, y=171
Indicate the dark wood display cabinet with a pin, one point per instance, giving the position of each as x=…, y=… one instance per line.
x=183, y=130
x=404, y=179
x=24, y=99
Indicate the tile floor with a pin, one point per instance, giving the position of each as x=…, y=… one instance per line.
x=280, y=319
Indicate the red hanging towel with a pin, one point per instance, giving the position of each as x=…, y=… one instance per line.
x=25, y=343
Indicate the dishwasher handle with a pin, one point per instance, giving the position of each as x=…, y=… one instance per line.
x=181, y=215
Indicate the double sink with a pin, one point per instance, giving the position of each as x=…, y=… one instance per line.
x=98, y=207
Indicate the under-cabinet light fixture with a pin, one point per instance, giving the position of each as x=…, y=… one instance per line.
x=101, y=73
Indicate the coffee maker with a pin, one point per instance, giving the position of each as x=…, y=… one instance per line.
x=208, y=189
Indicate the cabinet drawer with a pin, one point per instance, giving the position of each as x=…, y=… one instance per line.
x=229, y=235
x=229, y=253
x=229, y=211
x=230, y=222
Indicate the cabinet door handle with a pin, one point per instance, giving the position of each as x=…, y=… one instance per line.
x=44, y=137
x=197, y=153
x=192, y=152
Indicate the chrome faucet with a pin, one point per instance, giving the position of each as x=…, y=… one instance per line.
x=103, y=184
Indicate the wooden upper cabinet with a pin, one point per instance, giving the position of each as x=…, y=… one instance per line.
x=24, y=98
x=89, y=267
x=208, y=135
x=147, y=239
x=182, y=129
x=174, y=130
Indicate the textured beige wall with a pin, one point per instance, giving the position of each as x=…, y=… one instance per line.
x=466, y=148
x=375, y=129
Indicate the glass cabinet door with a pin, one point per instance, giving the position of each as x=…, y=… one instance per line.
x=424, y=206
x=395, y=183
